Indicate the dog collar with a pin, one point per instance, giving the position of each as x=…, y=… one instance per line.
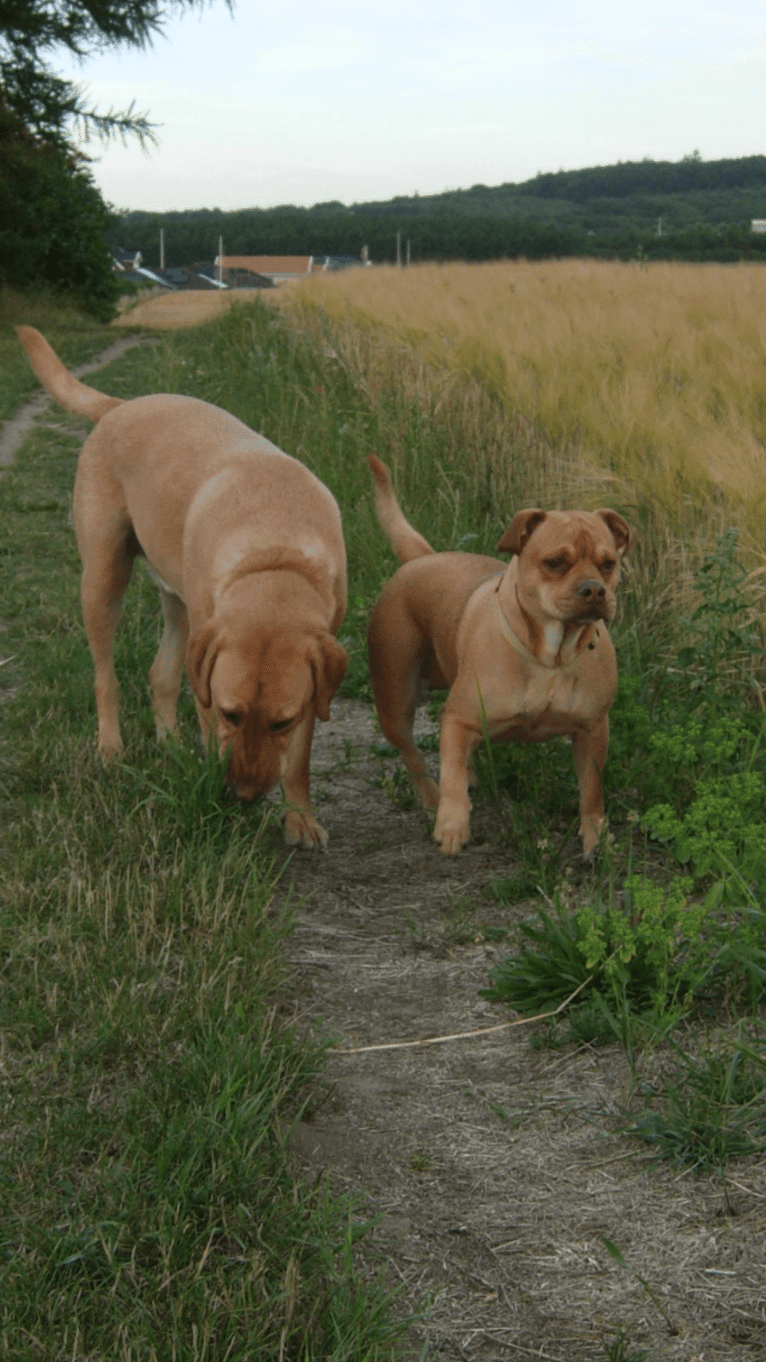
x=523, y=650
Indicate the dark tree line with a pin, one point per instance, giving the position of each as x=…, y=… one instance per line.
x=191, y=237
x=691, y=209
x=656, y=177
x=702, y=241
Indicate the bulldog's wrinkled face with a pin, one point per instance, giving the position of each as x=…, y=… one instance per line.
x=568, y=562
x=257, y=695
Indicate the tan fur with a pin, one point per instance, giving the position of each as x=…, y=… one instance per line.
x=523, y=649
x=246, y=548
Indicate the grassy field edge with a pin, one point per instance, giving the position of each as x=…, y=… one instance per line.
x=152, y=1069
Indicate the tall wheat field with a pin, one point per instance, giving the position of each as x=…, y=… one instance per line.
x=654, y=373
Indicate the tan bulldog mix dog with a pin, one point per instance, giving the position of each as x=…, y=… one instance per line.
x=246, y=548
x=523, y=649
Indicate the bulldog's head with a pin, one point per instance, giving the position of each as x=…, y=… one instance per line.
x=568, y=562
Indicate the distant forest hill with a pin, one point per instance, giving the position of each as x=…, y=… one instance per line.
x=689, y=209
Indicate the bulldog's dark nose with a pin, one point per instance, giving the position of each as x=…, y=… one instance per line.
x=592, y=590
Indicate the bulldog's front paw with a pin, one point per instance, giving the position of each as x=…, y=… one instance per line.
x=452, y=829
x=590, y=831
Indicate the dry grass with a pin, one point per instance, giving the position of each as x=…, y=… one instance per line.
x=474, y=460
x=657, y=373
x=187, y=307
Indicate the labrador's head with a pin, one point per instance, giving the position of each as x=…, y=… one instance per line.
x=256, y=693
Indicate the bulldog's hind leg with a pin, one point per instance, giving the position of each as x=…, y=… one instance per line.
x=396, y=662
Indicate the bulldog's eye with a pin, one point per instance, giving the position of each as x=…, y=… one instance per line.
x=280, y=724
x=232, y=716
x=609, y=565
x=553, y=564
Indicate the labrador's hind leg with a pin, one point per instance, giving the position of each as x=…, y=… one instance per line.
x=105, y=577
x=167, y=668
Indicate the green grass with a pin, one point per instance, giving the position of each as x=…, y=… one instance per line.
x=710, y=1110
x=152, y=1071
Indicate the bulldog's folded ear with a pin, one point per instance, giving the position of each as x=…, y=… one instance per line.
x=329, y=661
x=621, y=532
x=201, y=652
x=519, y=530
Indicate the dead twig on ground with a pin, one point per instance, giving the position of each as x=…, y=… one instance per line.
x=468, y=1035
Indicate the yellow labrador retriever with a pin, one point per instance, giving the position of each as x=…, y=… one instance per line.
x=523, y=649
x=246, y=548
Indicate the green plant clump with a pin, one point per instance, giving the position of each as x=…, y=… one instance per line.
x=712, y=1109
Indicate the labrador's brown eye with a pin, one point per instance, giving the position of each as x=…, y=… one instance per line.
x=280, y=724
x=553, y=564
x=609, y=565
x=232, y=716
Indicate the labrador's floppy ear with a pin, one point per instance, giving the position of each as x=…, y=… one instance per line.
x=524, y=524
x=201, y=652
x=329, y=661
x=620, y=528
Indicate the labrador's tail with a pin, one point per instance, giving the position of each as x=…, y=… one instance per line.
x=68, y=391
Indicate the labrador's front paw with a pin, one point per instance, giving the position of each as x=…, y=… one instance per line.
x=302, y=830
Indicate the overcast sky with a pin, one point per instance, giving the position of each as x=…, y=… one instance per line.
x=305, y=102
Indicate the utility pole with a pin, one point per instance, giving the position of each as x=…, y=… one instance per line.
x=399, y=249
x=220, y=259
x=162, y=249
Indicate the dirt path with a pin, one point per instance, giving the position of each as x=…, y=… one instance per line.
x=495, y=1168
x=14, y=432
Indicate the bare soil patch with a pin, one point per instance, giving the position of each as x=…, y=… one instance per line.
x=495, y=1168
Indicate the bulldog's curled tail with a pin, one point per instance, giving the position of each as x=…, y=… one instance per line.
x=68, y=391
x=404, y=540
